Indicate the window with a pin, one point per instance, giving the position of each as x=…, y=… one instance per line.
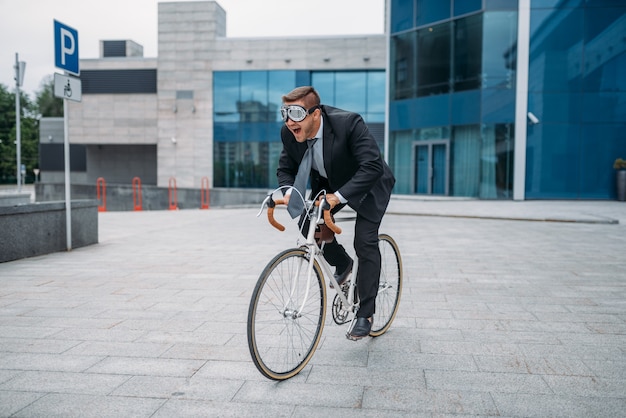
x=468, y=53
x=401, y=15
x=430, y=11
x=403, y=58
x=433, y=60
x=499, y=50
x=246, y=141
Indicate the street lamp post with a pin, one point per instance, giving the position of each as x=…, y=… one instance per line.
x=20, y=67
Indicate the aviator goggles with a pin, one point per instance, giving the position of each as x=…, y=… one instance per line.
x=295, y=112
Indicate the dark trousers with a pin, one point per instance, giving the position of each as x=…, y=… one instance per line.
x=368, y=254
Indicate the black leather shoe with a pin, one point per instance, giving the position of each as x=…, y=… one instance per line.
x=361, y=328
x=341, y=277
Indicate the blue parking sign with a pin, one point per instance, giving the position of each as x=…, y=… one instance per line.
x=66, y=48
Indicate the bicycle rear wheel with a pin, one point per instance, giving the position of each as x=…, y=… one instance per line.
x=282, y=333
x=389, y=287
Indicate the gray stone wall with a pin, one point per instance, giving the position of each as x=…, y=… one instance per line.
x=40, y=228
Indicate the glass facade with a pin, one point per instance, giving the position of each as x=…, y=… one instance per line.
x=246, y=128
x=452, y=97
x=452, y=104
x=577, y=89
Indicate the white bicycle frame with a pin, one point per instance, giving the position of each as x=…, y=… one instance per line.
x=316, y=218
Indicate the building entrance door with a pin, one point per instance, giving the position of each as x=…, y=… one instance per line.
x=431, y=167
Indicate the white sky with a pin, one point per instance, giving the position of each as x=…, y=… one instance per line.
x=26, y=26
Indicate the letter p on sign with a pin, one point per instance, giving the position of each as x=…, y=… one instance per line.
x=66, y=48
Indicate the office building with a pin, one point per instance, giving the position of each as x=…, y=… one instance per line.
x=500, y=99
x=488, y=99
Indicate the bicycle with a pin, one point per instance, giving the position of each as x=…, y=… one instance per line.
x=288, y=306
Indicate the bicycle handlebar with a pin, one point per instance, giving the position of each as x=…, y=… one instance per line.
x=270, y=213
x=271, y=204
x=328, y=219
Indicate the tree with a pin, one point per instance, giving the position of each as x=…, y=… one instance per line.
x=48, y=104
x=29, y=136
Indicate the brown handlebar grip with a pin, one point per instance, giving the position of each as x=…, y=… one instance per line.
x=330, y=224
x=328, y=219
x=270, y=215
x=273, y=222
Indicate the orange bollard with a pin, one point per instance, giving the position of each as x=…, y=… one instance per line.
x=204, y=193
x=101, y=194
x=172, y=193
x=137, y=201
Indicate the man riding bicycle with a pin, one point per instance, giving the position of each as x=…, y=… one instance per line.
x=336, y=150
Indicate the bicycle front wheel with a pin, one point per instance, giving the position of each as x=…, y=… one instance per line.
x=389, y=287
x=286, y=315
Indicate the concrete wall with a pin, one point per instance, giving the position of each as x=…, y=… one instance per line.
x=12, y=199
x=40, y=228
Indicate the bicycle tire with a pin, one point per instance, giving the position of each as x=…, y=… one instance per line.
x=389, y=287
x=281, y=339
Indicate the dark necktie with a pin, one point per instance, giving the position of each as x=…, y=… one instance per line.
x=296, y=204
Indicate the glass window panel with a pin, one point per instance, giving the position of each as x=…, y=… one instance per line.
x=601, y=144
x=280, y=83
x=433, y=60
x=324, y=83
x=504, y=159
x=225, y=96
x=400, y=157
x=421, y=169
x=603, y=107
x=462, y=7
x=429, y=11
x=496, y=161
x=253, y=105
x=556, y=50
x=604, y=52
x=351, y=91
x=565, y=107
x=375, y=96
x=501, y=4
x=603, y=3
x=468, y=34
x=497, y=105
x=552, y=153
x=403, y=75
x=401, y=15
x=241, y=164
x=499, y=49
x=465, y=161
x=439, y=167
x=537, y=4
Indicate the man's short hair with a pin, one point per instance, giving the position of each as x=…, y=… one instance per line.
x=306, y=93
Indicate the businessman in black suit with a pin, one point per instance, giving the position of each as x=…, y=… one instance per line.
x=348, y=164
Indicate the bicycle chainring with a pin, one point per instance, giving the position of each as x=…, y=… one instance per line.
x=340, y=315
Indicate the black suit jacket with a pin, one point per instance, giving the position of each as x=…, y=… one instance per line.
x=352, y=161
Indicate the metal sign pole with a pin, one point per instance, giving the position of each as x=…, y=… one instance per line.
x=66, y=58
x=18, y=135
x=68, y=202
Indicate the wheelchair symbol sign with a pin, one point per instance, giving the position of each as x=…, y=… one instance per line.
x=67, y=87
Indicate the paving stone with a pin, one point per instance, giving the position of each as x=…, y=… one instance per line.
x=502, y=313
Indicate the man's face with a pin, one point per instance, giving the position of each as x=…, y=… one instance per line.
x=306, y=128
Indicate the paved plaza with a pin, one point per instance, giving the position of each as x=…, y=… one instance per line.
x=514, y=309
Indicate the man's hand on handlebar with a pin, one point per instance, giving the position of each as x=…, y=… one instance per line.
x=332, y=199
